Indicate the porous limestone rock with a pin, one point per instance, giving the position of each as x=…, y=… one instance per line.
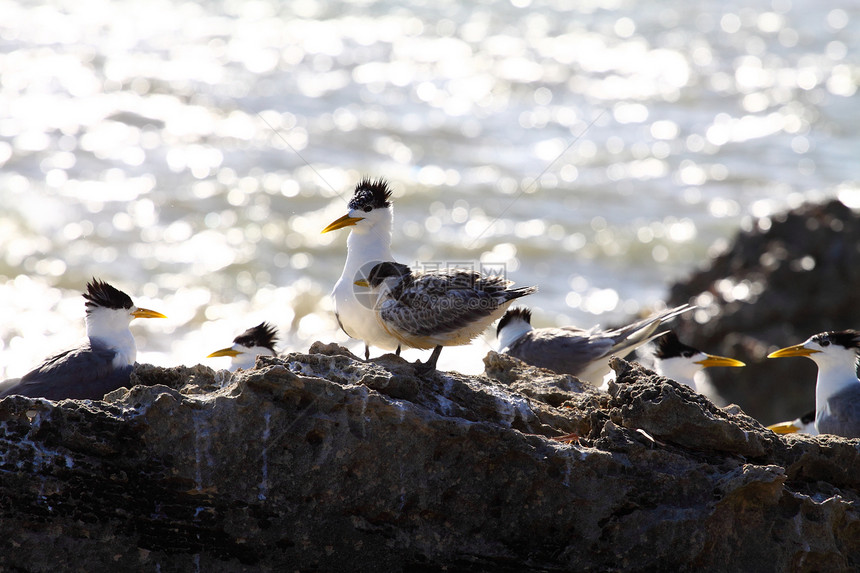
x=319, y=461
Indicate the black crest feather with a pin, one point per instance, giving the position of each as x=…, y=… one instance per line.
x=101, y=294
x=520, y=313
x=847, y=338
x=373, y=193
x=669, y=346
x=263, y=335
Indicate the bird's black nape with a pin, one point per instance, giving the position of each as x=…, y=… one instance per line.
x=385, y=270
x=846, y=338
x=101, y=294
x=371, y=194
x=514, y=314
x=669, y=346
x=263, y=335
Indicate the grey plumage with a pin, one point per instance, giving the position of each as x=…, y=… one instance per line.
x=842, y=416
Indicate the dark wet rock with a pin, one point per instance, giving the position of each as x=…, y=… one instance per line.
x=782, y=280
x=321, y=462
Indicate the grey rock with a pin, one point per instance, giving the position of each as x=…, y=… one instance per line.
x=780, y=281
x=319, y=461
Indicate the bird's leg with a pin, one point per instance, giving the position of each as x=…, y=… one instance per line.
x=430, y=365
x=366, y=351
x=397, y=352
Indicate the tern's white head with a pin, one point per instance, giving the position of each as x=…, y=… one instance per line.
x=109, y=314
x=680, y=362
x=514, y=323
x=258, y=340
x=370, y=210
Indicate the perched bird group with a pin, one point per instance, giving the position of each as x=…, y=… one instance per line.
x=389, y=305
x=837, y=391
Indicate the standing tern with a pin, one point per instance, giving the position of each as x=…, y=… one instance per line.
x=257, y=340
x=680, y=362
x=435, y=309
x=369, y=218
x=837, y=389
x=571, y=350
x=101, y=364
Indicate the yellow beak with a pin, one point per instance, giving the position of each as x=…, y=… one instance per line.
x=224, y=352
x=796, y=350
x=146, y=313
x=345, y=221
x=712, y=360
x=784, y=428
x=362, y=283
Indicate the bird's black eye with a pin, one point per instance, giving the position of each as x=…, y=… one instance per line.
x=824, y=342
x=687, y=354
x=368, y=209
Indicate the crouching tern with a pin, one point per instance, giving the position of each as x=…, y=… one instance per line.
x=257, y=340
x=435, y=309
x=101, y=364
x=681, y=362
x=837, y=389
x=571, y=350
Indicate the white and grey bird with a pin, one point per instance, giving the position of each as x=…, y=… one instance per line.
x=802, y=425
x=837, y=389
x=369, y=218
x=571, y=350
x=102, y=364
x=682, y=363
x=435, y=309
x=257, y=340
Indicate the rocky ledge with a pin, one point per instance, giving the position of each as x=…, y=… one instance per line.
x=324, y=462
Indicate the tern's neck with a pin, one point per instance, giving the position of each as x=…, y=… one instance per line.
x=110, y=327
x=678, y=369
x=833, y=377
x=247, y=359
x=367, y=246
x=512, y=332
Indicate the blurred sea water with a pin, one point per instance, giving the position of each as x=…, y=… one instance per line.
x=191, y=153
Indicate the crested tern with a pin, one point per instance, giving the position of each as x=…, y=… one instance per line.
x=837, y=389
x=571, y=350
x=680, y=362
x=435, y=309
x=369, y=218
x=257, y=340
x=102, y=364
x=802, y=425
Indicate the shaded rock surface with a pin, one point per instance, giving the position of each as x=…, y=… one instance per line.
x=786, y=278
x=322, y=462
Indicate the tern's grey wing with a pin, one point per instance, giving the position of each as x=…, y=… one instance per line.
x=844, y=416
x=439, y=303
x=628, y=338
x=645, y=328
x=562, y=350
x=85, y=372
